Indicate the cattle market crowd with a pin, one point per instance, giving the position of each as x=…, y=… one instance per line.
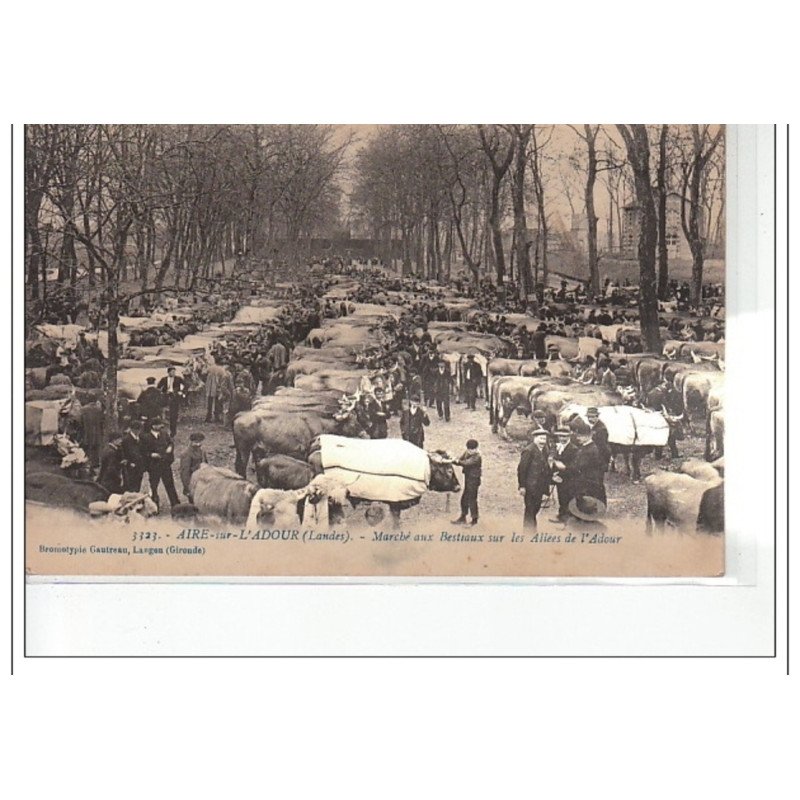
x=548, y=407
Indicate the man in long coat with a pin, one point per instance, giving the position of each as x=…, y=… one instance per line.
x=92, y=419
x=151, y=401
x=159, y=453
x=441, y=390
x=585, y=473
x=132, y=459
x=216, y=380
x=110, y=476
x=533, y=476
x=412, y=423
x=599, y=435
x=173, y=389
x=472, y=375
x=564, y=455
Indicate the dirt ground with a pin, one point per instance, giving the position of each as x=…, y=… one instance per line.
x=498, y=498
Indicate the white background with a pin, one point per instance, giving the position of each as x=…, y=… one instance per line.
x=434, y=727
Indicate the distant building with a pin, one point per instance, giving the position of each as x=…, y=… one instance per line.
x=677, y=244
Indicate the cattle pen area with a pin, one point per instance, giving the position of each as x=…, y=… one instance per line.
x=459, y=398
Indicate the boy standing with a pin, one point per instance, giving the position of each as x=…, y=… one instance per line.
x=470, y=462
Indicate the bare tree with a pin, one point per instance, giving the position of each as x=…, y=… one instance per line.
x=499, y=149
x=637, y=144
x=522, y=136
x=464, y=179
x=697, y=155
x=593, y=165
x=661, y=194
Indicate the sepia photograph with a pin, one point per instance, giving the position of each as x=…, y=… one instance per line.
x=441, y=351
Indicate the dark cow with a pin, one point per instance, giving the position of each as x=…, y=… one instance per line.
x=63, y=492
x=281, y=472
x=711, y=516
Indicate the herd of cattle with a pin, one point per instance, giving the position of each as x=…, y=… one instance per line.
x=327, y=373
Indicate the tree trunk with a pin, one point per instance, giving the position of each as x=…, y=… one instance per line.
x=638, y=146
x=112, y=320
x=661, y=193
x=520, y=223
x=34, y=251
x=497, y=235
x=591, y=216
x=695, y=239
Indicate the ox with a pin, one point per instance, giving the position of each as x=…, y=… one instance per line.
x=63, y=492
x=219, y=492
x=674, y=498
x=288, y=430
x=390, y=471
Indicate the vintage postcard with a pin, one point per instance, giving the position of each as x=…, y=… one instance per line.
x=440, y=351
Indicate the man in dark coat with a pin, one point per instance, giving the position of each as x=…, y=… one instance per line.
x=159, y=453
x=599, y=435
x=472, y=375
x=565, y=452
x=441, y=390
x=585, y=473
x=471, y=463
x=173, y=389
x=151, y=400
x=132, y=459
x=533, y=476
x=92, y=420
x=110, y=476
x=539, y=343
x=427, y=373
x=191, y=459
x=380, y=414
x=412, y=422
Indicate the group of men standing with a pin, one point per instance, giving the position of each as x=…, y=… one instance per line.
x=436, y=383
x=151, y=449
x=146, y=446
x=575, y=464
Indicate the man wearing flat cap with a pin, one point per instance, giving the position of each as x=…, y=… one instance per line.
x=599, y=435
x=471, y=463
x=533, y=476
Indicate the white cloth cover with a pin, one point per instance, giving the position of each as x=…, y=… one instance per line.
x=627, y=425
x=387, y=470
x=41, y=421
x=68, y=334
x=256, y=314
